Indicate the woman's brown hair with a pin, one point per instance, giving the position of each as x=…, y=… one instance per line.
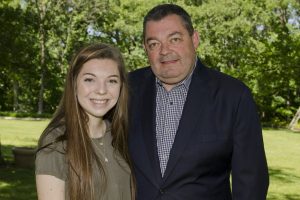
x=79, y=152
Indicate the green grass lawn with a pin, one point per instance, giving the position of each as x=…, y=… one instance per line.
x=283, y=154
x=17, y=183
x=282, y=150
x=19, y=133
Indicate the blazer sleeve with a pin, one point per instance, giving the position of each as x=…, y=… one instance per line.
x=250, y=178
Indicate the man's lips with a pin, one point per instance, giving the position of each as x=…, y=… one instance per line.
x=168, y=61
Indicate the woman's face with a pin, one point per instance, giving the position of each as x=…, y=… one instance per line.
x=98, y=86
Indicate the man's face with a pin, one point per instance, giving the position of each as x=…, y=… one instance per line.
x=171, y=50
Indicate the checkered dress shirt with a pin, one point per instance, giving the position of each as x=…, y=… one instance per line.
x=169, y=106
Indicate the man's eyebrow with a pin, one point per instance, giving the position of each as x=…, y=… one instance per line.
x=174, y=33
x=170, y=35
x=150, y=38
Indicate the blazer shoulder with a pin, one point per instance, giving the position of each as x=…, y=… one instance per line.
x=221, y=85
x=139, y=73
x=226, y=81
x=139, y=76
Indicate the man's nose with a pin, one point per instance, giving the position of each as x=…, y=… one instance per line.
x=164, y=48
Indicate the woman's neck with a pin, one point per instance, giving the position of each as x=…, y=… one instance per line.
x=97, y=128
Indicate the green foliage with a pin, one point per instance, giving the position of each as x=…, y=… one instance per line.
x=17, y=53
x=25, y=115
x=257, y=42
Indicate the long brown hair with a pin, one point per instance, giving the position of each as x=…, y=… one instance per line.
x=79, y=152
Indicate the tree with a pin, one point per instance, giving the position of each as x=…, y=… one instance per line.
x=255, y=42
x=62, y=26
x=16, y=39
x=41, y=6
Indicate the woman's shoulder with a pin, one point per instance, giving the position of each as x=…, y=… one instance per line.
x=52, y=134
x=53, y=139
x=50, y=157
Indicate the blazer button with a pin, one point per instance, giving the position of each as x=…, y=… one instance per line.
x=162, y=191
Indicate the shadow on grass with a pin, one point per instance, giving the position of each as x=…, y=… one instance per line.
x=17, y=183
x=283, y=196
x=283, y=175
x=292, y=196
x=7, y=153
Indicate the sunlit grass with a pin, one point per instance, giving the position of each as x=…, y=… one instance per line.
x=283, y=154
x=19, y=133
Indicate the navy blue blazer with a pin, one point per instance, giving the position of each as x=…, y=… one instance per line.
x=219, y=134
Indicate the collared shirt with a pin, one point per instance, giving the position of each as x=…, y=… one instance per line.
x=169, y=106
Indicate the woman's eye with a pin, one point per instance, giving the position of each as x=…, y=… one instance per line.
x=113, y=81
x=88, y=80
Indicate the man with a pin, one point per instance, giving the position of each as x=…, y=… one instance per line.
x=191, y=127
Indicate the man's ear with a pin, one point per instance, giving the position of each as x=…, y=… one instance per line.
x=144, y=47
x=195, y=38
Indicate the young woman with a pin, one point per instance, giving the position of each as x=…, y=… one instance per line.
x=83, y=151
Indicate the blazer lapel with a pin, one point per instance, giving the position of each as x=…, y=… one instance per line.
x=191, y=113
x=149, y=165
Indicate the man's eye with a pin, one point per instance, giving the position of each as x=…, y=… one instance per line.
x=153, y=45
x=175, y=40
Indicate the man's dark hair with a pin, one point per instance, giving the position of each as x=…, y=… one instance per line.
x=159, y=12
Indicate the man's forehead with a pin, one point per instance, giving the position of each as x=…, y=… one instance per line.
x=166, y=26
x=171, y=17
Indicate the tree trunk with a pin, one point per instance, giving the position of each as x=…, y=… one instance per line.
x=293, y=124
x=41, y=94
x=16, y=93
x=41, y=7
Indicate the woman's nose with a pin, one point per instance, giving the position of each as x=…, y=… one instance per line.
x=101, y=88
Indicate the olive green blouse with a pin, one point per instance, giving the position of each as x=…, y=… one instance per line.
x=51, y=161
